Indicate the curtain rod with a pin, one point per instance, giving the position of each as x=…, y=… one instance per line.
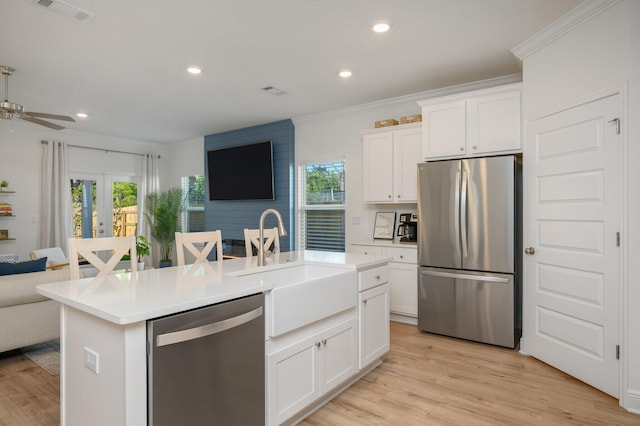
x=44, y=142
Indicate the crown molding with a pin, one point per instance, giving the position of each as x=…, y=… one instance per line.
x=415, y=97
x=561, y=26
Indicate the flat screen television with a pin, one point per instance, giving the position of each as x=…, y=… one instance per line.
x=243, y=172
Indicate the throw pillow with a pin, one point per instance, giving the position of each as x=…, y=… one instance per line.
x=7, y=268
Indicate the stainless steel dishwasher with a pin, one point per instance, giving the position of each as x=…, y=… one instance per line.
x=206, y=366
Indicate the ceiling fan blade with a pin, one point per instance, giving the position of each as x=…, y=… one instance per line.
x=42, y=123
x=51, y=116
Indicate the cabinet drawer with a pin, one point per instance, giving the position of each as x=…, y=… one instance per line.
x=373, y=277
x=402, y=255
x=367, y=249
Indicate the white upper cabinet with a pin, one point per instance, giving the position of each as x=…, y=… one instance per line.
x=444, y=129
x=390, y=159
x=471, y=124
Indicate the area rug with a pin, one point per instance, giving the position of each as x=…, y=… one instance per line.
x=46, y=355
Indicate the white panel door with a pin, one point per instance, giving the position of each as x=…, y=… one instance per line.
x=571, y=287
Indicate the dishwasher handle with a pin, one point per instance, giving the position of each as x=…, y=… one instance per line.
x=208, y=329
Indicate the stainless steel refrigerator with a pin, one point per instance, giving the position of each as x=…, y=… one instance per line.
x=469, y=238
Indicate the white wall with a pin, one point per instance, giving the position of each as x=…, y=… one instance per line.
x=337, y=135
x=21, y=165
x=601, y=55
x=185, y=158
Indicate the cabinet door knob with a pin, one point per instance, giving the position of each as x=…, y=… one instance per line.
x=475, y=147
x=364, y=301
x=378, y=277
x=318, y=344
x=401, y=257
x=529, y=251
x=462, y=148
x=388, y=196
x=324, y=342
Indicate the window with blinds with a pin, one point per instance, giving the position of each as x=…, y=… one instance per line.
x=193, y=210
x=321, y=198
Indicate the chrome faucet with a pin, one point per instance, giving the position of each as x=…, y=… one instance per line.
x=282, y=231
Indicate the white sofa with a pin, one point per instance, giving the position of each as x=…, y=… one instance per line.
x=26, y=317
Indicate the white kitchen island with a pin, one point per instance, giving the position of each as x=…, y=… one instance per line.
x=108, y=316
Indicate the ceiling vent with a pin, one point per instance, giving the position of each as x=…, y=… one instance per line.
x=65, y=9
x=274, y=91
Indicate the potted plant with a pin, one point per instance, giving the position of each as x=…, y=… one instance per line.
x=4, y=185
x=162, y=212
x=143, y=248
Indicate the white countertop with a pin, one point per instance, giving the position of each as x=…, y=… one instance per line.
x=127, y=298
x=386, y=243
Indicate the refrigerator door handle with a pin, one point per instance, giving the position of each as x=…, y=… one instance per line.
x=456, y=213
x=207, y=330
x=464, y=213
x=465, y=276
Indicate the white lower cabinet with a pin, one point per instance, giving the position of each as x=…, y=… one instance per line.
x=403, y=275
x=404, y=288
x=303, y=371
x=373, y=311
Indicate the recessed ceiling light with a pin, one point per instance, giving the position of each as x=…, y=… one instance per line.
x=82, y=115
x=381, y=27
x=194, y=70
x=345, y=74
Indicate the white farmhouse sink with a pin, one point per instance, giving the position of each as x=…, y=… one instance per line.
x=303, y=294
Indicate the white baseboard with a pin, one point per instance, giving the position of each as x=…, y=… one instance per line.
x=404, y=319
x=633, y=402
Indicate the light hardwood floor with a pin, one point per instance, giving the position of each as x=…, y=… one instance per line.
x=434, y=380
x=424, y=380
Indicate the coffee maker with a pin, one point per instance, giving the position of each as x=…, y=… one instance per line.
x=408, y=228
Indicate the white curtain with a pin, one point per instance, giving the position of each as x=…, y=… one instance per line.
x=150, y=184
x=55, y=198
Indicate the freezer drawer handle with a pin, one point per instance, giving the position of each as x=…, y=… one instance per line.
x=466, y=276
x=207, y=330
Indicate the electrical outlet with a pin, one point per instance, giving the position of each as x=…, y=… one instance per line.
x=91, y=360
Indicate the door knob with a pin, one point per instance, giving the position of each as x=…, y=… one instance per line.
x=530, y=250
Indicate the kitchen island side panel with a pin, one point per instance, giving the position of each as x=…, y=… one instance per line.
x=116, y=393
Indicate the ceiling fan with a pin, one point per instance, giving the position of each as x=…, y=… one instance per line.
x=9, y=110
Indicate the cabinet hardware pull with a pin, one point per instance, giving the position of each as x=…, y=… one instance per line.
x=475, y=147
x=378, y=277
x=324, y=342
x=388, y=196
x=318, y=344
x=401, y=257
x=462, y=148
x=364, y=301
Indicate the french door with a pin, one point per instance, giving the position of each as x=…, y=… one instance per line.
x=104, y=205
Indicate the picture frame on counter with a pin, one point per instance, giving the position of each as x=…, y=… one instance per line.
x=4, y=234
x=384, y=226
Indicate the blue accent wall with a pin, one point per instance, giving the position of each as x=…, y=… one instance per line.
x=231, y=217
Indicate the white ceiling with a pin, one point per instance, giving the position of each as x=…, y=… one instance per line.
x=126, y=67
